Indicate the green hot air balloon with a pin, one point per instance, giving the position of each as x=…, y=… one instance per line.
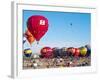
x=83, y=51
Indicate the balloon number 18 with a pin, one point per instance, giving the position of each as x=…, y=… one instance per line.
x=42, y=22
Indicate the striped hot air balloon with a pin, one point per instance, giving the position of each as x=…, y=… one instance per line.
x=28, y=52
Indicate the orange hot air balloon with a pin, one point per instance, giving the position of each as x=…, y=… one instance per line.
x=29, y=37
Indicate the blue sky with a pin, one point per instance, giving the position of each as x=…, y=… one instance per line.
x=61, y=33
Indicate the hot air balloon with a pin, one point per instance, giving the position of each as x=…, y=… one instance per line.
x=83, y=51
x=73, y=50
x=28, y=52
x=88, y=50
x=46, y=52
x=56, y=52
x=38, y=26
x=70, y=51
x=77, y=52
x=29, y=37
x=63, y=52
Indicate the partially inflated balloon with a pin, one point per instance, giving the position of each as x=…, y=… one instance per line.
x=83, y=51
x=63, y=52
x=70, y=51
x=88, y=50
x=46, y=52
x=77, y=52
x=38, y=26
x=29, y=37
x=56, y=52
x=73, y=50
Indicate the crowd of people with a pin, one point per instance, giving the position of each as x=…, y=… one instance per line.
x=55, y=57
x=38, y=63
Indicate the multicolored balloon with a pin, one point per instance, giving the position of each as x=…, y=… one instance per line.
x=47, y=52
x=38, y=26
x=28, y=52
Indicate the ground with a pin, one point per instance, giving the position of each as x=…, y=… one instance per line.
x=40, y=63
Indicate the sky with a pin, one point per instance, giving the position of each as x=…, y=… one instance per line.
x=66, y=29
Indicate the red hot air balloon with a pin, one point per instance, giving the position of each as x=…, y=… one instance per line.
x=77, y=52
x=38, y=26
x=47, y=52
x=73, y=51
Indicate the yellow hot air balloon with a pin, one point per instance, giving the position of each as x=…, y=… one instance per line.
x=28, y=52
x=29, y=37
x=83, y=51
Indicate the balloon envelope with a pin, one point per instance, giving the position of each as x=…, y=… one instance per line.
x=83, y=51
x=70, y=51
x=29, y=37
x=46, y=52
x=88, y=50
x=63, y=52
x=77, y=52
x=28, y=52
x=56, y=52
x=38, y=26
